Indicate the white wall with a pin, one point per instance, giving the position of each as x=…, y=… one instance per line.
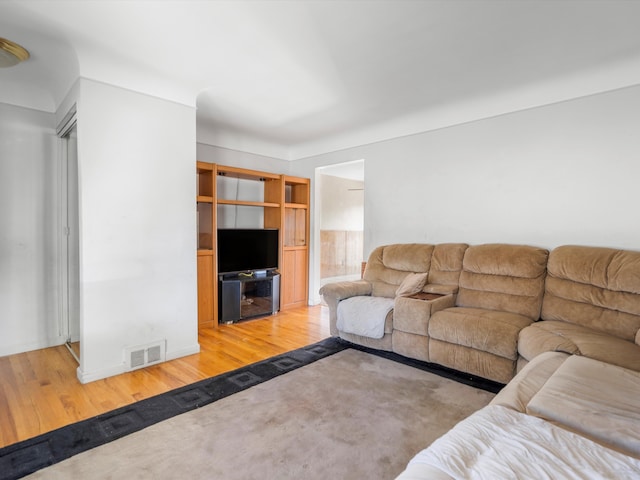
x=342, y=203
x=236, y=158
x=138, y=226
x=28, y=231
x=560, y=174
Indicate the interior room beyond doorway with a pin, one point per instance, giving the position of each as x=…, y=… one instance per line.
x=340, y=220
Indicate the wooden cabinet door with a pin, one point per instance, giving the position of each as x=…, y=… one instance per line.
x=294, y=278
x=205, y=290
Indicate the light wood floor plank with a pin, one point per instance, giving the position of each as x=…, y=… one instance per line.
x=39, y=390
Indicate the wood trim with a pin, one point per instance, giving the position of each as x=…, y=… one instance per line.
x=245, y=173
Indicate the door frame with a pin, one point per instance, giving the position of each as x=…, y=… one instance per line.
x=66, y=291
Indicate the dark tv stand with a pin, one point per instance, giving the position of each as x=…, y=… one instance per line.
x=242, y=296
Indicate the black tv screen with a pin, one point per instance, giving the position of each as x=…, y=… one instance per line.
x=240, y=250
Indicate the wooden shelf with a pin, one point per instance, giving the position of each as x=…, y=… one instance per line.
x=204, y=199
x=222, y=201
x=295, y=205
x=205, y=253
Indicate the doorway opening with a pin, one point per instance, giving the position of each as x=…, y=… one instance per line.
x=340, y=221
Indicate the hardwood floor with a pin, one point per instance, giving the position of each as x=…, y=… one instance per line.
x=39, y=390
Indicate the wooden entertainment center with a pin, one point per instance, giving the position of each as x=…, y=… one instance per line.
x=283, y=204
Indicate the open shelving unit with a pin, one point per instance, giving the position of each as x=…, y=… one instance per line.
x=279, y=201
x=206, y=264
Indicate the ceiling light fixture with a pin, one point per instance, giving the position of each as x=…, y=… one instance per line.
x=11, y=53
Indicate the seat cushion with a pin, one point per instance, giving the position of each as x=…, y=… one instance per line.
x=490, y=331
x=579, y=396
x=557, y=336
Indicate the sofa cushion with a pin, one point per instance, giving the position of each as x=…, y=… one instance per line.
x=412, y=284
x=595, y=287
x=503, y=277
x=579, y=396
x=486, y=330
x=446, y=263
x=551, y=335
x=410, y=257
x=388, y=266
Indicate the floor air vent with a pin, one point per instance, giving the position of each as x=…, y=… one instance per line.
x=145, y=355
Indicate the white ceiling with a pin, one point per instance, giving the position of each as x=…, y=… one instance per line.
x=291, y=79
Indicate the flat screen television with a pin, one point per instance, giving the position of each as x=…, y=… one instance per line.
x=242, y=249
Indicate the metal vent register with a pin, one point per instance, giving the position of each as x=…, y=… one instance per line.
x=144, y=355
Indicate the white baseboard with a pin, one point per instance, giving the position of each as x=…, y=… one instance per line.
x=86, y=377
x=183, y=352
x=28, y=347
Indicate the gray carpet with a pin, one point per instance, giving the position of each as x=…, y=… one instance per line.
x=351, y=415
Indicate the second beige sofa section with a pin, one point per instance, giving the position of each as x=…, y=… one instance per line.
x=591, y=307
x=501, y=289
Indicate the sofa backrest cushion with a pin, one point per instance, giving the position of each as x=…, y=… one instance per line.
x=389, y=265
x=595, y=287
x=446, y=263
x=503, y=277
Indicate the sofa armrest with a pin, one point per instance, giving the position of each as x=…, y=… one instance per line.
x=440, y=289
x=412, y=314
x=334, y=293
x=446, y=301
x=343, y=290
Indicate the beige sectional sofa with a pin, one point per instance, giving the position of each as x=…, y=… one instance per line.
x=489, y=309
x=562, y=416
x=561, y=329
